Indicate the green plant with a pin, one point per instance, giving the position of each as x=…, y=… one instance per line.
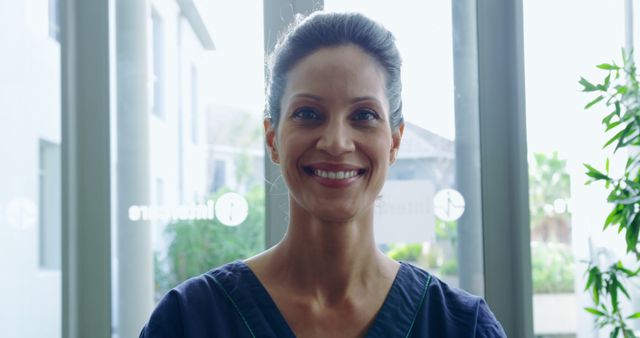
x=620, y=93
x=449, y=268
x=446, y=231
x=405, y=252
x=548, y=186
x=552, y=268
x=430, y=259
x=196, y=246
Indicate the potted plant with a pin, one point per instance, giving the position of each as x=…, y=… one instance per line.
x=619, y=96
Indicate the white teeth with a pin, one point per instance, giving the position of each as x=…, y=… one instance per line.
x=335, y=175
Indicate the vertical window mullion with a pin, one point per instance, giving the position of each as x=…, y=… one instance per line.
x=86, y=222
x=503, y=154
x=278, y=14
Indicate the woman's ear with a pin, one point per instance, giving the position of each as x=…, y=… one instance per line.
x=270, y=138
x=396, y=137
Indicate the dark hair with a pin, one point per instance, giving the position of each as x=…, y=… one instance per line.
x=322, y=29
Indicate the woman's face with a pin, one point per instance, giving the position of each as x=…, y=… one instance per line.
x=334, y=142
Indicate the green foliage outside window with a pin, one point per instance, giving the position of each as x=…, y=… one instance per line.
x=405, y=252
x=548, y=182
x=552, y=268
x=197, y=246
x=439, y=257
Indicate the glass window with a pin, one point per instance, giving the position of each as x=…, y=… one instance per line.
x=49, y=208
x=158, y=63
x=219, y=174
x=172, y=172
x=195, y=108
x=30, y=181
x=54, y=19
x=566, y=215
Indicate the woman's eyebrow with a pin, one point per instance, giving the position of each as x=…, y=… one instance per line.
x=365, y=98
x=309, y=96
x=321, y=99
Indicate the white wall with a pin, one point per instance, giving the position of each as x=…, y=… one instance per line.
x=29, y=111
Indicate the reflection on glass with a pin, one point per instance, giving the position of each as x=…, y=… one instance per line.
x=190, y=161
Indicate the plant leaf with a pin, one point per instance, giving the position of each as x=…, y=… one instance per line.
x=624, y=290
x=612, y=125
x=593, y=102
x=634, y=316
x=588, y=86
x=614, y=138
x=595, y=173
x=592, y=275
x=631, y=235
x=621, y=90
x=607, y=119
x=613, y=292
x=626, y=131
x=607, y=66
x=594, y=311
x=629, y=200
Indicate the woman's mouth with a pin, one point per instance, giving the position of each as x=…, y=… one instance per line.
x=334, y=177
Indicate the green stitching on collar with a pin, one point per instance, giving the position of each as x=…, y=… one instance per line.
x=424, y=295
x=234, y=305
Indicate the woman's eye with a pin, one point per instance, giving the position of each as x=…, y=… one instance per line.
x=364, y=115
x=306, y=114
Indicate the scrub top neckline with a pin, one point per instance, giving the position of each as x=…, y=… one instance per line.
x=394, y=318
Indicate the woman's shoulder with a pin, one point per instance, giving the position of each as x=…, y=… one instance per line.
x=233, y=272
x=438, y=291
x=204, y=287
x=197, y=304
x=453, y=308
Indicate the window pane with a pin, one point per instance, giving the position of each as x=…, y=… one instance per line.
x=49, y=208
x=189, y=147
x=421, y=208
x=30, y=178
x=158, y=63
x=566, y=215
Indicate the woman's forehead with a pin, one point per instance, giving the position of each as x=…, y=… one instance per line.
x=344, y=72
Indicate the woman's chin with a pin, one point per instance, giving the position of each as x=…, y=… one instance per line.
x=335, y=214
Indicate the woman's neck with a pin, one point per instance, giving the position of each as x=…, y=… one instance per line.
x=329, y=260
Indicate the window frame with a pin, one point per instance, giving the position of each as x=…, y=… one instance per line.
x=49, y=241
x=158, y=64
x=54, y=19
x=86, y=183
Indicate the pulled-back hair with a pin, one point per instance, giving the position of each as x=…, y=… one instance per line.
x=322, y=29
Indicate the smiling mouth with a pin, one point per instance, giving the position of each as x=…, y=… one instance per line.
x=334, y=174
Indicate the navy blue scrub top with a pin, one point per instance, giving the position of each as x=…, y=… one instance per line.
x=231, y=302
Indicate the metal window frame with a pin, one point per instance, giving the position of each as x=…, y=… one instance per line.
x=86, y=221
x=504, y=171
x=278, y=14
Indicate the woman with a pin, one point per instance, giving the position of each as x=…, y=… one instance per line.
x=334, y=125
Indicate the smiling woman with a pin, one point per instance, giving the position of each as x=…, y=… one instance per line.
x=334, y=125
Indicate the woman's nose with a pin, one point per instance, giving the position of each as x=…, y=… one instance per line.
x=336, y=139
